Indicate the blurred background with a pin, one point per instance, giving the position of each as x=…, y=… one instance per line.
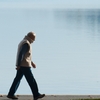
x=67, y=46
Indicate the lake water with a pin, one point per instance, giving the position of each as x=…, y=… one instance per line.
x=66, y=50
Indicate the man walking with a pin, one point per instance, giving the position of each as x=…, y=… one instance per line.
x=23, y=67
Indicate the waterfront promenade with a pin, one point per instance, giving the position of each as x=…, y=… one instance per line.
x=56, y=97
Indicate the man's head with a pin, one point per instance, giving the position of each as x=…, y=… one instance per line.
x=31, y=35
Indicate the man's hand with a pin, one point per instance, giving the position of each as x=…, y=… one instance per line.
x=33, y=65
x=17, y=67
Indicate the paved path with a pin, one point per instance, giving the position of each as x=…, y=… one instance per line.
x=55, y=97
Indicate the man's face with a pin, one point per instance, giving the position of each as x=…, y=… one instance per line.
x=32, y=37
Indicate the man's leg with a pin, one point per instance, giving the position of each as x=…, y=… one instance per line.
x=15, y=83
x=31, y=81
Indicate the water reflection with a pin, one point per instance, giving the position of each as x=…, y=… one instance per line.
x=88, y=20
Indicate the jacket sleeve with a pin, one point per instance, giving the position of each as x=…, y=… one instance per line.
x=22, y=52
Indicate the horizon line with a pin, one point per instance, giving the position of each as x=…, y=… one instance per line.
x=47, y=6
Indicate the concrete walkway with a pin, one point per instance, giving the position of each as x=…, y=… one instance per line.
x=55, y=97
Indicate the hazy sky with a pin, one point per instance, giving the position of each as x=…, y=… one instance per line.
x=51, y=3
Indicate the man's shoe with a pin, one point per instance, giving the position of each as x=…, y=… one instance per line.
x=12, y=97
x=40, y=96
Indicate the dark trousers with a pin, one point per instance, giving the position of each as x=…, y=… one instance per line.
x=26, y=71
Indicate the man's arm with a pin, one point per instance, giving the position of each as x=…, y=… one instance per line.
x=22, y=52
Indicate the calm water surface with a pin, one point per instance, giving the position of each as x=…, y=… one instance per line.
x=66, y=51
